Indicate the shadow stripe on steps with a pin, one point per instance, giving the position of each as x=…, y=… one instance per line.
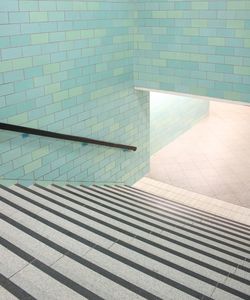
x=202, y=212
x=184, y=213
x=125, y=244
x=109, y=193
x=14, y=289
x=99, y=270
x=161, y=227
x=226, y=261
x=71, y=255
x=48, y=270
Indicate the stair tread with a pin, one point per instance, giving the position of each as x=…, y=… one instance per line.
x=108, y=242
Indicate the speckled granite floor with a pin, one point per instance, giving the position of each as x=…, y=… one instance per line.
x=118, y=243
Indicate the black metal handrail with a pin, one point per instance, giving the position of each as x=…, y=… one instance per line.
x=61, y=136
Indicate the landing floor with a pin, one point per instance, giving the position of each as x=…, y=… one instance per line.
x=212, y=158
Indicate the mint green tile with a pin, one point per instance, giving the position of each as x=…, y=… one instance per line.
x=49, y=5
x=40, y=152
x=199, y=23
x=60, y=95
x=42, y=81
x=6, y=66
x=21, y=63
x=235, y=24
x=73, y=35
x=52, y=88
x=38, y=16
x=18, y=119
x=159, y=14
x=76, y=91
x=51, y=68
x=247, y=43
x=232, y=5
x=200, y=5
x=91, y=6
x=32, y=166
x=28, y=5
x=40, y=38
x=216, y=41
x=242, y=70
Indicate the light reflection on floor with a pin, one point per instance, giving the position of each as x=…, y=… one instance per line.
x=212, y=158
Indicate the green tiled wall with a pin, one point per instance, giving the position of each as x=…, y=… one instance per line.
x=71, y=67
x=171, y=116
x=197, y=47
x=66, y=66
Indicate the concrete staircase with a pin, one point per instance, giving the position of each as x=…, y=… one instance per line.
x=117, y=242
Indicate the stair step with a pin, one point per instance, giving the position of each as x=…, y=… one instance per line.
x=116, y=242
x=186, y=210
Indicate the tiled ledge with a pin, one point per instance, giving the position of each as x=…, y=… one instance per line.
x=211, y=205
